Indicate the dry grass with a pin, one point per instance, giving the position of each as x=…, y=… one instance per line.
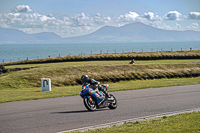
x=194, y=54
x=70, y=73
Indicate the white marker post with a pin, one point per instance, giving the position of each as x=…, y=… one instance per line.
x=46, y=84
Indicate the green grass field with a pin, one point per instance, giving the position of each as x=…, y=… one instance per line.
x=118, y=62
x=20, y=94
x=182, y=123
x=26, y=84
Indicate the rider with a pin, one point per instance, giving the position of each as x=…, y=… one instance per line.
x=92, y=87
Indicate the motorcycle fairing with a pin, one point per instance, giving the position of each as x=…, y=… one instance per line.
x=86, y=90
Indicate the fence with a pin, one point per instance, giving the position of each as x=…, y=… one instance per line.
x=94, y=52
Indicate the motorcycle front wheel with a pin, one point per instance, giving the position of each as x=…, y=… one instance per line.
x=113, y=104
x=90, y=105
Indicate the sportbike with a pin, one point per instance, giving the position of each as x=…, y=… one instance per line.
x=91, y=103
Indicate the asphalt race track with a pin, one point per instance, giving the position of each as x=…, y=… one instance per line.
x=66, y=113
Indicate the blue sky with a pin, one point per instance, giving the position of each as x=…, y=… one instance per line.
x=69, y=18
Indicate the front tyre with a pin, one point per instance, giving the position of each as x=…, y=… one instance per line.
x=113, y=104
x=90, y=105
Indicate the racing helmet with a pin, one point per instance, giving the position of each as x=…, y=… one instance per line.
x=84, y=78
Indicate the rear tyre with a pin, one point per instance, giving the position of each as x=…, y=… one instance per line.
x=91, y=106
x=113, y=105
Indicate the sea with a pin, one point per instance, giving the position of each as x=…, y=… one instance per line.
x=17, y=52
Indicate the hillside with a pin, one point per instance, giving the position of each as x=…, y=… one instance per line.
x=16, y=36
x=134, y=32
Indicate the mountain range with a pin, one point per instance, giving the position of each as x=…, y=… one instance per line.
x=134, y=32
x=14, y=36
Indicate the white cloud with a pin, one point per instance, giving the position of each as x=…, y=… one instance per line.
x=178, y=26
x=160, y=25
x=82, y=20
x=173, y=15
x=149, y=15
x=101, y=19
x=194, y=15
x=33, y=20
x=2, y=22
x=131, y=16
x=22, y=8
x=193, y=26
x=81, y=24
x=89, y=20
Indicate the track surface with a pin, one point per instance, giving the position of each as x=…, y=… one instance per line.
x=65, y=113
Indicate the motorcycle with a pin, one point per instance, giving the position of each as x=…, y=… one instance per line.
x=91, y=103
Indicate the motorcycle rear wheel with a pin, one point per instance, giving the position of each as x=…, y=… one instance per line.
x=113, y=105
x=91, y=106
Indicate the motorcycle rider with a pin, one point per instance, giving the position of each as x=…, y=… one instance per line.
x=92, y=87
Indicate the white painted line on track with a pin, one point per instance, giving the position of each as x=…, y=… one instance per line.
x=133, y=119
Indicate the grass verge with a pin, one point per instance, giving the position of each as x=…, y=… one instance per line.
x=182, y=123
x=69, y=73
x=20, y=94
x=193, y=54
